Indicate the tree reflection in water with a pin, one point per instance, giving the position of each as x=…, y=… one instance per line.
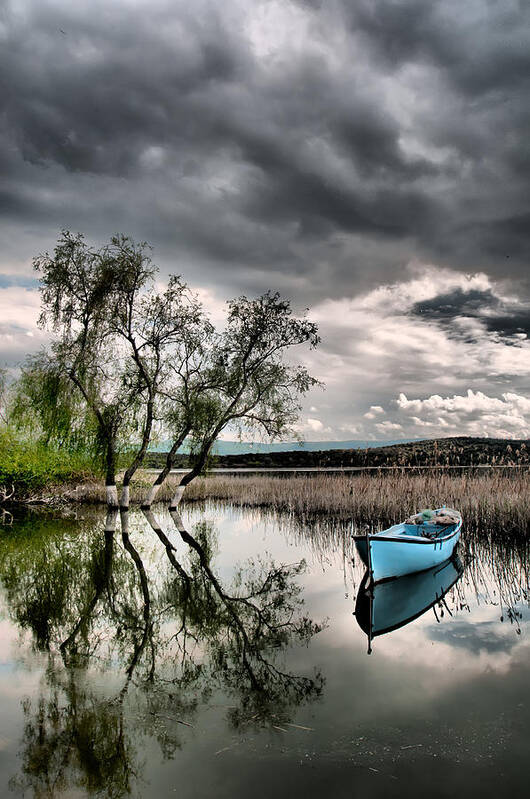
x=131, y=651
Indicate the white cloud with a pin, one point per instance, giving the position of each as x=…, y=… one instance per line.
x=350, y=430
x=214, y=305
x=377, y=345
x=308, y=427
x=387, y=426
x=314, y=424
x=374, y=411
x=19, y=306
x=19, y=332
x=374, y=350
x=428, y=281
x=474, y=413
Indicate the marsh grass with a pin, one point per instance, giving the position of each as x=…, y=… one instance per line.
x=497, y=571
x=488, y=499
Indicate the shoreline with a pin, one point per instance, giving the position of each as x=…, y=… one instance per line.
x=484, y=498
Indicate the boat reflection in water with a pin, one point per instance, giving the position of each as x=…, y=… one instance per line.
x=390, y=605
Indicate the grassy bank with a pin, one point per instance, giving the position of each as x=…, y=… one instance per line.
x=484, y=499
x=27, y=467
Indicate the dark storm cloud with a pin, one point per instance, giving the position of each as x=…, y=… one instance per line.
x=388, y=131
x=478, y=61
x=481, y=46
x=457, y=303
x=497, y=314
x=93, y=99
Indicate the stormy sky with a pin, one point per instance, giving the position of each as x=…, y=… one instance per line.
x=369, y=159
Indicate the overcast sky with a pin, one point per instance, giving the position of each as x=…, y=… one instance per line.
x=369, y=159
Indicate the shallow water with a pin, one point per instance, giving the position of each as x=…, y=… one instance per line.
x=120, y=675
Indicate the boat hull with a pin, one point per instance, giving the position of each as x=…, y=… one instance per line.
x=390, y=557
x=391, y=605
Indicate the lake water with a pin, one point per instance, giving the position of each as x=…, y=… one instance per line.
x=128, y=667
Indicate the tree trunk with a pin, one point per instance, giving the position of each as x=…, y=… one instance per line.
x=101, y=583
x=110, y=479
x=139, y=646
x=193, y=473
x=177, y=496
x=138, y=459
x=110, y=521
x=170, y=549
x=170, y=462
x=111, y=494
x=124, y=498
x=226, y=600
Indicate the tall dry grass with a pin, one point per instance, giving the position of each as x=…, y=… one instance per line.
x=484, y=499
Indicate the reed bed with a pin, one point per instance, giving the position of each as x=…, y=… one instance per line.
x=486, y=500
x=324, y=509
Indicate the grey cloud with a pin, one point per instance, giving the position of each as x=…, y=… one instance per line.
x=510, y=324
x=496, y=314
x=91, y=101
x=300, y=170
x=508, y=237
x=482, y=47
x=457, y=303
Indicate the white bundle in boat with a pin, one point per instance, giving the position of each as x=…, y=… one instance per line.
x=446, y=517
x=442, y=516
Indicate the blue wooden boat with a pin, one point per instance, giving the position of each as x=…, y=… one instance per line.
x=387, y=606
x=421, y=542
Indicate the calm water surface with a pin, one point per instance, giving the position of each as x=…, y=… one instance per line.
x=137, y=665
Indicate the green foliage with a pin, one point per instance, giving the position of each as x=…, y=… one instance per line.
x=45, y=406
x=79, y=283
x=125, y=359
x=89, y=299
x=117, y=344
x=3, y=395
x=30, y=464
x=261, y=389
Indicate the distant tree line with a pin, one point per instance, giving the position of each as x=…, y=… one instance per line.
x=129, y=362
x=458, y=451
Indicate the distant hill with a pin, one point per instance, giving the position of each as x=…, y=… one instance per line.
x=253, y=447
x=457, y=451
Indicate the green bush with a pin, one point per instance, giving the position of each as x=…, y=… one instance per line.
x=30, y=464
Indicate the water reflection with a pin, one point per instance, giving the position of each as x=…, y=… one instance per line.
x=387, y=606
x=496, y=562
x=164, y=638
x=146, y=661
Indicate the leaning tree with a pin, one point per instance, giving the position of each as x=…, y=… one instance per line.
x=246, y=382
x=127, y=361
x=78, y=286
x=157, y=331
x=113, y=337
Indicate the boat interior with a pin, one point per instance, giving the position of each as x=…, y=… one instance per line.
x=426, y=530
